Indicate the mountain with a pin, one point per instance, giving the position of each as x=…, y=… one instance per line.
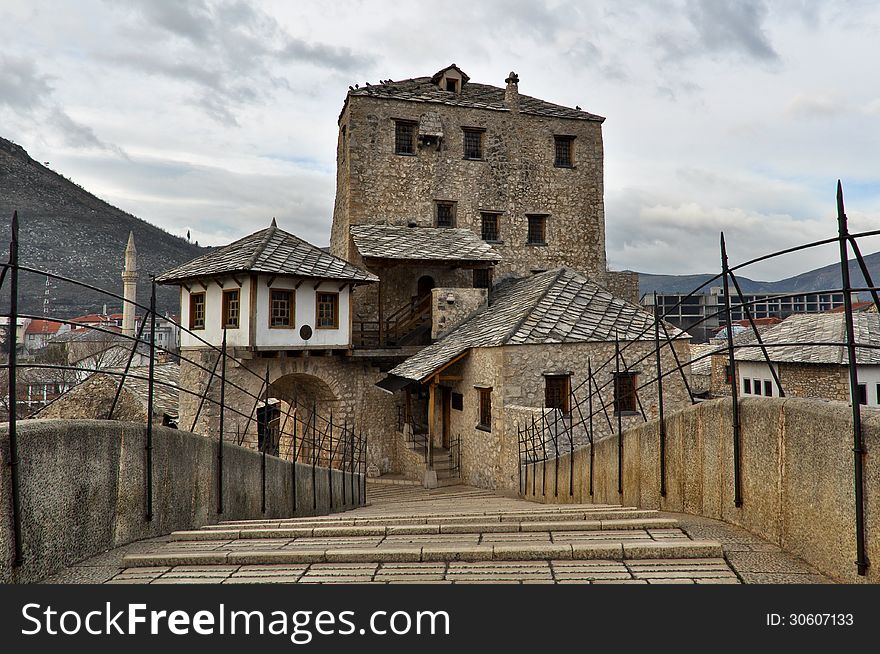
x=64, y=229
x=820, y=279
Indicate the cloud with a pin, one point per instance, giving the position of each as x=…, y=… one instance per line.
x=813, y=106
x=22, y=87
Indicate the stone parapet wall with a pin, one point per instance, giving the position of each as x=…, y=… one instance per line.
x=82, y=489
x=623, y=284
x=446, y=315
x=797, y=475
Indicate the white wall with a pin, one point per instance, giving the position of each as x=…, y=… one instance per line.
x=304, y=314
x=266, y=337
x=213, y=331
x=756, y=372
x=870, y=377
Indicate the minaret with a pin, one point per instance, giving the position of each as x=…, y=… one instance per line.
x=129, y=283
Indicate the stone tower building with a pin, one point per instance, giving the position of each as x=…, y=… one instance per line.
x=523, y=174
x=129, y=282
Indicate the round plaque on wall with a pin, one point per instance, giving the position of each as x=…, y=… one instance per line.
x=305, y=332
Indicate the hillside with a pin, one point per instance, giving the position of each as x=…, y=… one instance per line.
x=68, y=231
x=824, y=278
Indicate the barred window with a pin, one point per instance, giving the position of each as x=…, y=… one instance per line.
x=404, y=137
x=197, y=311
x=473, y=144
x=281, y=305
x=556, y=392
x=485, y=397
x=231, y=304
x=327, y=311
x=445, y=214
x=537, y=234
x=564, y=150
x=482, y=278
x=625, y=393
x=490, y=226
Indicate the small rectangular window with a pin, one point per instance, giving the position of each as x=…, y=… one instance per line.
x=537, y=231
x=457, y=402
x=485, y=397
x=564, y=150
x=863, y=394
x=489, y=227
x=556, y=392
x=445, y=214
x=768, y=388
x=281, y=308
x=452, y=85
x=231, y=305
x=625, y=393
x=328, y=311
x=197, y=311
x=404, y=137
x=878, y=393
x=482, y=278
x=473, y=143
x=747, y=386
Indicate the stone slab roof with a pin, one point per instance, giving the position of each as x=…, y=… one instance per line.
x=557, y=306
x=421, y=243
x=801, y=329
x=271, y=251
x=472, y=95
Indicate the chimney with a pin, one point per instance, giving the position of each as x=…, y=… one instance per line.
x=129, y=285
x=511, y=93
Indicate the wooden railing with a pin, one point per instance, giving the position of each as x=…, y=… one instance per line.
x=402, y=323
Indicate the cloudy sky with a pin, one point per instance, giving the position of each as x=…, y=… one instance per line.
x=215, y=116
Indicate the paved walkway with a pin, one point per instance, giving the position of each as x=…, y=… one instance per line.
x=455, y=534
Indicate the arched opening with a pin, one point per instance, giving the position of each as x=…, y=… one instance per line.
x=424, y=286
x=297, y=418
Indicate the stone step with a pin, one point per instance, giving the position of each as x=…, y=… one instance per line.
x=446, y=528
x=511, y=516
x=673, y=549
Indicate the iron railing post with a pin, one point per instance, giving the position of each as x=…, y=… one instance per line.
x=314, y=456
x=13, y=396
x=343, y=442
x=222, y=425
x=662, y=434
x=266, y=437
x=619, y=412
x=590, y=412
x=858, y=441
x=151, y=382
x=330, y=463
x=734, y=386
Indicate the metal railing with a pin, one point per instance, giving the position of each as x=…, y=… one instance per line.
x=301, y=435
x=594, y=409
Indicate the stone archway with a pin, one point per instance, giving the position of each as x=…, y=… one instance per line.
x=305, y=404
x=424, y=286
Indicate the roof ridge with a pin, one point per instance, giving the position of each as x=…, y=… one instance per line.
x=270, y=232
x=534, y=305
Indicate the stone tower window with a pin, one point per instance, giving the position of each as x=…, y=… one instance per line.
x=625, y=393
x=197, y=311
x=556, y=392
x=473, y=143
x=485, y=399
x=404, y=137
x=490, y=227
x=281, y=308
x=327, y=311
x=231, y=304
x=482, y=278
x=564, y=151
x=445, y=214
x=537, y=234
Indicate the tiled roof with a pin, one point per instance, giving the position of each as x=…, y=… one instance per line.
x=480, y=96
x=818, y=328
x=421, y=243
x=558, y=306
x=41, y=326
x=271, y=251
x=704, y=365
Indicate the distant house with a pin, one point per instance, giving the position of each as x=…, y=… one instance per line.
x=40, y=331
x=805, y=369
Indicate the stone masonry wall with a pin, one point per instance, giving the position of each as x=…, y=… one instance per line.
x=516, y=177
x=796, y=470
x=821, y=381
x=446, y=315
x=82, y=485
